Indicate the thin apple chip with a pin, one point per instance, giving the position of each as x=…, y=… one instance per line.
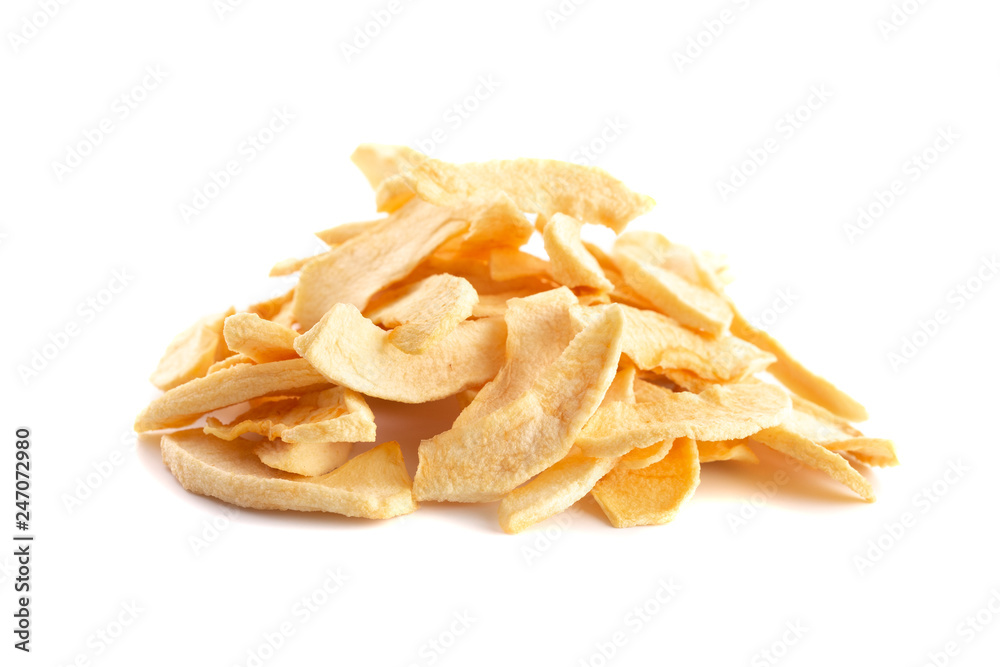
x=651, y=495
x=644, y=392
x=466, y=397
x=552, y=491
x=586, y=297
x=624, y=294
x=876, y=452
x=309, y=459
x=622, y=388
x=789, y=372
x=286, y=317
x=690, y=304
x=379, y=161
x=476, y=269
x=393, y=194
x=495, y=305
x=267, y=310
x=837, y=434
x=621, y=293
x=184, y=404
x=824, y=428
x=259, y=339
x=424, y=313
x=539, y=328
x=571, y=264
x=645, y=456
x=382, y=165
x=531, y=284
x=726, y=450
x=287, y=267
x=655, y=342
x=793, y=441
x=387, y=253
x=229, y=362
x=566, y=481
x=543, y=187
x=603, y=258
x=373, y=485
x=837, y=428
x=496, y=223
x=688, y=381
x=191, y=353
x=332, y=415
x=511, y=264
x=347, y=231
x=489, y=457
x=353, y=352
x=647, y=392
x=677, y=259
x=722, y=412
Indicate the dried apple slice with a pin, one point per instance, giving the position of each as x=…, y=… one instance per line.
x=373, y=485
x=425, y=312
x=638, y=255
x=184, y=404
x=722, y=412
x=332, y=415
x=259, y=339
x=353, y=352
x=571, y=263
x=651, y=495
x=489, y=457
x=543, y=187
x=192, y=352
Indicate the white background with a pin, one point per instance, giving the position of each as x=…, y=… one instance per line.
x=552, y=595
